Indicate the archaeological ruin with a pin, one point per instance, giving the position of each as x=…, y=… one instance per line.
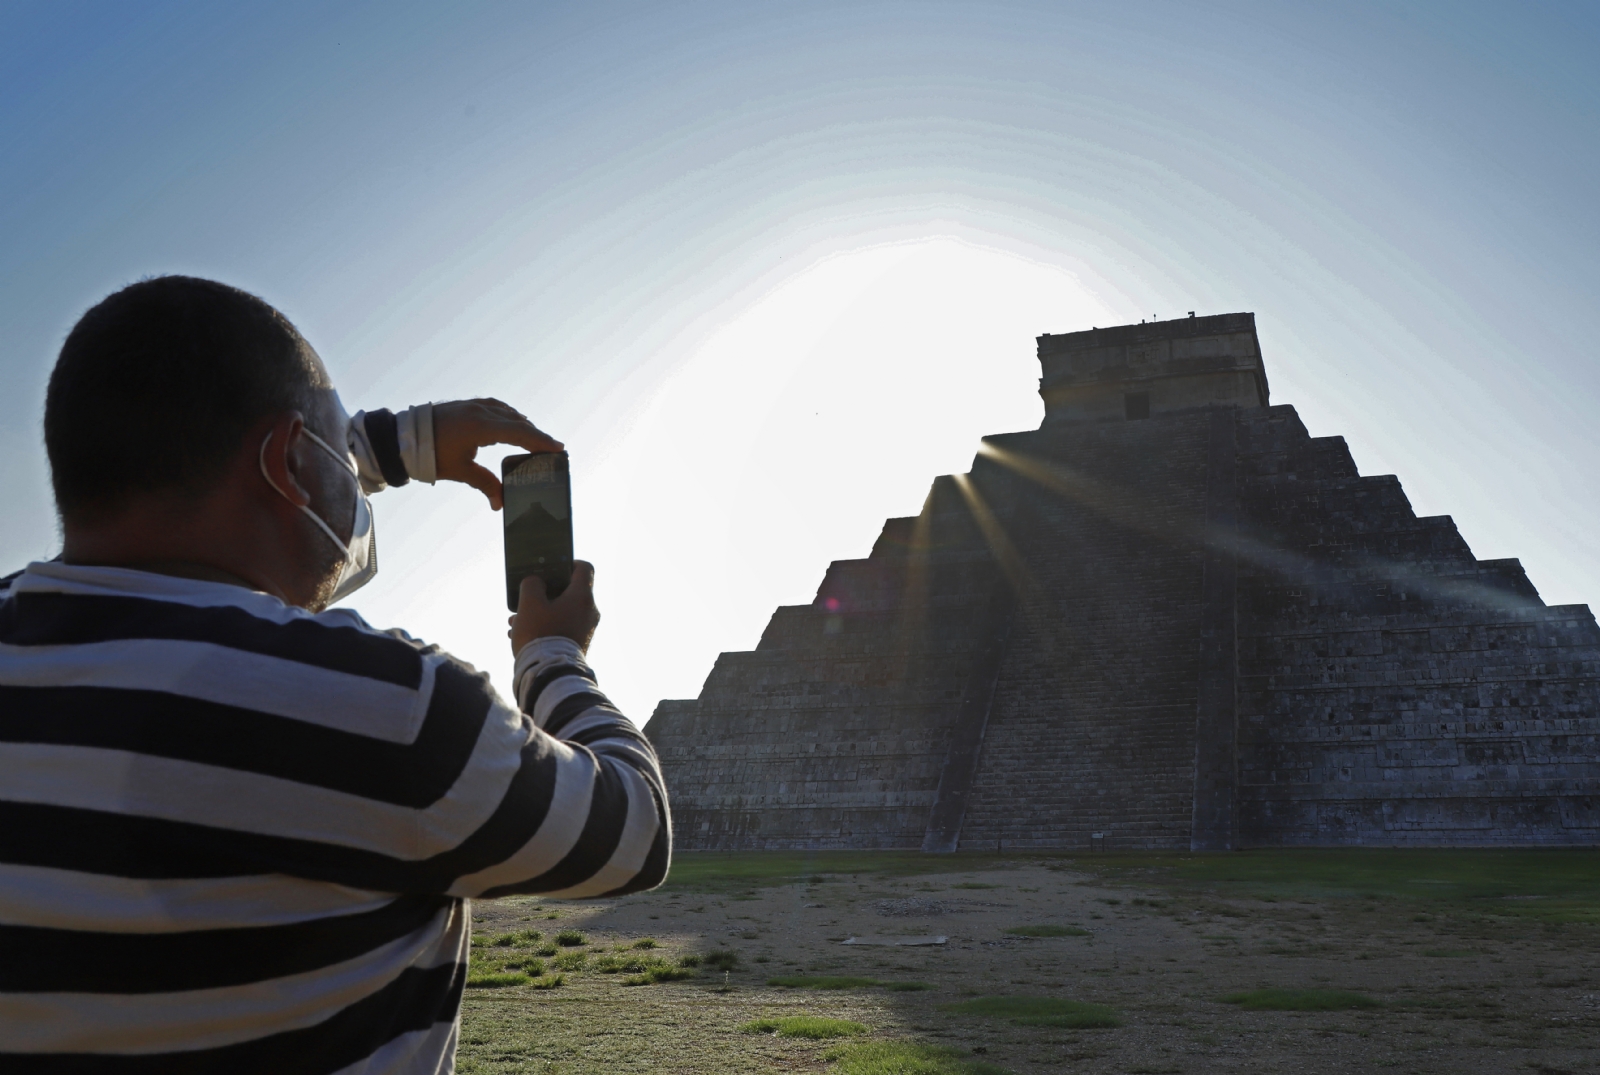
x=1167, y=618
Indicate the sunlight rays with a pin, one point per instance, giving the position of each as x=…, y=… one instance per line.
x=1289, y=566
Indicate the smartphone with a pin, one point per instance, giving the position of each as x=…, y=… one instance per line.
x=538, y=521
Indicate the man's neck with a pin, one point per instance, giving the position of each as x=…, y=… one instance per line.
x=185, y=570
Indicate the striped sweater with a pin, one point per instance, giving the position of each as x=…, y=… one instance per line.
x=239, y=837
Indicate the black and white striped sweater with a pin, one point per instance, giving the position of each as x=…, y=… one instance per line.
x=238, y=837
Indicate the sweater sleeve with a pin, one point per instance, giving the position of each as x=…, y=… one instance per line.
x=391, y=449
x=606, y=827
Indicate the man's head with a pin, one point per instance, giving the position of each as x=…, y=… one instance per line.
x=156, y=412
x=157, y=386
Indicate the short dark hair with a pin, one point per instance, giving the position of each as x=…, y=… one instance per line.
x=157, y=385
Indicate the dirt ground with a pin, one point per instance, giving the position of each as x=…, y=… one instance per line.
x=1472, y=962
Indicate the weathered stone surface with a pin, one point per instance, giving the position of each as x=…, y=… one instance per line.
x=1213, y=632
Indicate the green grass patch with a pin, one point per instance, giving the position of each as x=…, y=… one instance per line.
x=1558, y=886
x=905, y=1058
x=819, y=981
x=736, y=873
x=1301, y=1000
x=571, y=938
x=572, y=960
x=1048, y=931
x=973, y=884
x=522, y=938
x=806, y=1026
x=646, y=942
x=659, y=971
x=1039, y=1011
x=497, y=979
x=629, y=963
x=721, y=960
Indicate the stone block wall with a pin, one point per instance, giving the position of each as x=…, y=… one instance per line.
x=1395, y=690
x=833, y=731
x=1093, y=720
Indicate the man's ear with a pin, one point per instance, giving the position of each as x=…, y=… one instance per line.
x=282, y=457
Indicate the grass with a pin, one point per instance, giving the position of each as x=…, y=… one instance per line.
x=815, y=981
x=1552, y=885
x=1558, y=885
x=631, y=963
x=1048, y=931
x=641, y=966
x=905, y=1058
x=805, y=1026
x=530, y=972
x=572, y=960
x=1515, y=905
x=522, y=938
x=736, y=873
x=659, y=971
x=499, y=970
x=1039, y=1011
x=1301, y=1000
x=571, y=938
x=721, y=960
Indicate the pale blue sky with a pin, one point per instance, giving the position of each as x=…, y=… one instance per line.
x=677, y=233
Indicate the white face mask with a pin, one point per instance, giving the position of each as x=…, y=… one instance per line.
x=361, y=551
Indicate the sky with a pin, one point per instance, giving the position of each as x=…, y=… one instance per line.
x=767, y=269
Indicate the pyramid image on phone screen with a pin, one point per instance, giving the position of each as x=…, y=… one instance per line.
x=534, y=533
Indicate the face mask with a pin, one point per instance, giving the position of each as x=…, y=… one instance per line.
x=361, y=551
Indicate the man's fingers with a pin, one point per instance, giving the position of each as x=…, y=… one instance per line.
x=503, y=409
x=525, y=435
x=483, y=479
x=465, y=425
x=572, y=615
x=530, y=592
x=582, y=576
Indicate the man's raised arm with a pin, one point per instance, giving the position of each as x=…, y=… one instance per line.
x=605, y=828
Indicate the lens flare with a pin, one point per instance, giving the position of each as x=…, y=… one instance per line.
x=1291, y=566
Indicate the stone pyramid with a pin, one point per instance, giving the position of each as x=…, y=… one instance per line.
x=1167, y=618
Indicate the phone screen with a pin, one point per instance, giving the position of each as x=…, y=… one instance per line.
x=538, y=521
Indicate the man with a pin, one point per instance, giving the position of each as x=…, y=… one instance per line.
x=239, y=833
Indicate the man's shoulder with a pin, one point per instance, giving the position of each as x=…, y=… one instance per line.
x=52, y=610
x=7, y=580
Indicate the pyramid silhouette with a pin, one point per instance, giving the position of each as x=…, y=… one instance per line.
x=1167, y=618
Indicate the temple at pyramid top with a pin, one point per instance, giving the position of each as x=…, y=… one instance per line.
x=1134, y=371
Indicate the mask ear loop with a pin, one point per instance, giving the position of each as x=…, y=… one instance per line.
x=261, y=459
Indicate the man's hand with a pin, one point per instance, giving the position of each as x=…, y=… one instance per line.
x=462, y=427
x=572, y=615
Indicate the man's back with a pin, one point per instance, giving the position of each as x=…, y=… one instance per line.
x=237, y=836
